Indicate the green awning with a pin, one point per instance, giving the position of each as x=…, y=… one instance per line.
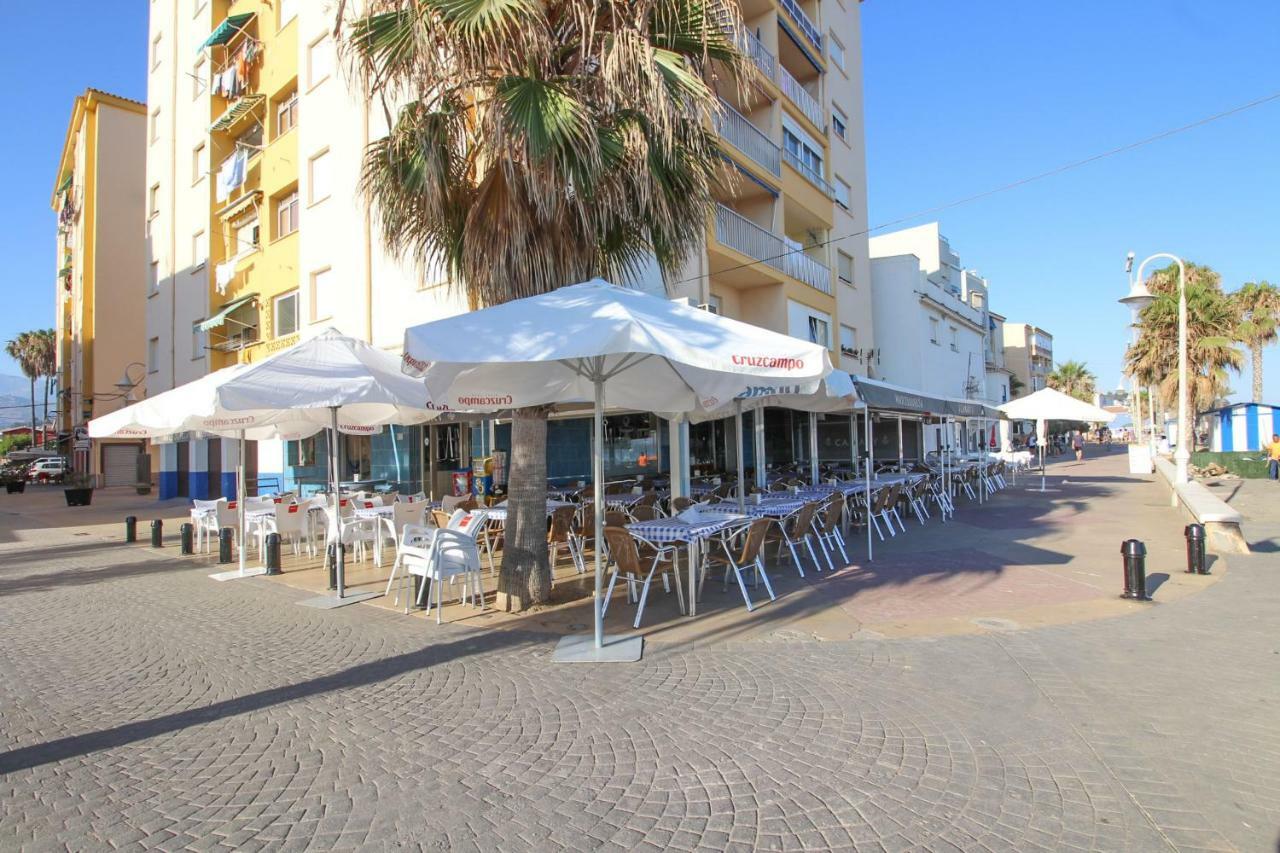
x=66, y=183
x=64, y=272
x=241, y=108
x=220, y=317
x=227, y=30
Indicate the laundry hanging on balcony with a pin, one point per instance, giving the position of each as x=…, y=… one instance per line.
x=232, y=173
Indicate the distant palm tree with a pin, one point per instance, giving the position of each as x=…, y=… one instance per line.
x=1211, y=334
x=44, y=349
x=1258, y=306
x=22, y=349
x=1074, y=378
x=534, y=145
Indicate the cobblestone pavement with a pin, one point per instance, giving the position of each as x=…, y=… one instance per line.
x=144, y=706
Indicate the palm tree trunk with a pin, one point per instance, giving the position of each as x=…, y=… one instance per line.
x=525, y=577
x=1257, y=372
x=33, y=412
x=45, y=423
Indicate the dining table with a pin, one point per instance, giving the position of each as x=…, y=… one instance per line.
x=691, y=529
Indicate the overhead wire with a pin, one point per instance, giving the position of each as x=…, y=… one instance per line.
x=1057, y=170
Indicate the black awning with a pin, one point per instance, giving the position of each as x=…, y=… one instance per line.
x=885, y=397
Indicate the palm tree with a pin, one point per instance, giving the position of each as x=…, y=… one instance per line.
x=1211, y=333
x=44, y=346
x=22, y=349
x=1074, y=378
x=1258, y=305
x=534, y=145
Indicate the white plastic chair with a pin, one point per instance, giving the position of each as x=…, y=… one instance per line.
x=204, y=516
x=290, y=522
x=437, y=555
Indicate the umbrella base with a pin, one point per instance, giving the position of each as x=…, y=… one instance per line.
x=581, y=648
x=332, y=602
x=236, y=574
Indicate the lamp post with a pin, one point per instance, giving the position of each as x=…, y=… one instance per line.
x=1182, y=455
x=1139, y=297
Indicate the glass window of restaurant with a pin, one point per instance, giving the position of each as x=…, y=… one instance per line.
x=634, y=445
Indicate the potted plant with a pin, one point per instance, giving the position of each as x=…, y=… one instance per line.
x=14, y=478
x=78, y=487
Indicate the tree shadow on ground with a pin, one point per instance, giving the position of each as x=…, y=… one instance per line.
x=74, y=576
x=361, y=675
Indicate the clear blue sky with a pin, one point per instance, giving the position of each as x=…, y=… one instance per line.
x=961, y=97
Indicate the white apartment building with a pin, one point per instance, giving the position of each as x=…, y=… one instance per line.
x=245, y=255
x=931, y=315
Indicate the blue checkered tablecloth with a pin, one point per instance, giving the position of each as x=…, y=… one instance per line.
x=675, y=530
x=771, y=507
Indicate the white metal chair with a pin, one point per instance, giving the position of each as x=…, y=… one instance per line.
x=437, y=555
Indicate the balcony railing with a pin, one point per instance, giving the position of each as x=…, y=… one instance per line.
x=799, y=96
x=749, y=44
x=810, y=174
x=748, y=139
x=743, y=235
x=806, y=26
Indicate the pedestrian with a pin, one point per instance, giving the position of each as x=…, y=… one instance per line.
x=1077, y=444
x=1273, y=457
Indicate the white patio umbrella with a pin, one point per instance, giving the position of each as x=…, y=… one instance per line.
x=327, y=381
x=1048, y=404
x=563, y=347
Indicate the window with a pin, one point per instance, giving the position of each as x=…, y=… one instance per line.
x=319, y=61
x=839, y=123
x=155, y=51
x=155, y=124
x=933, y=330
x=288, y=11
x=955, y=339
x=247, y=236
x=198, y=85
x=287, y=112
x=153, y=355
x=199, y=249
x=713, y=304
x=153, y=202
x=153, y=277
x=848, y=340
x=286, y=314
x=301, y=454
x=199, y=163
x=844, y=266
x=804, y=153
x=251, y=138
x=842, y=193
x=198, y=338
x=321, y=294
x=318, y=177
x=287, y=214
x=819, y=331
x=836, y=51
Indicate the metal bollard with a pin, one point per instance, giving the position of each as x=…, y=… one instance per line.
x=225, y=537
x=187, y=531
x=1135, y=570
x=157, y=533
x=131, y=528
x=273, y=554
x=1197, y=564
x=332, y=560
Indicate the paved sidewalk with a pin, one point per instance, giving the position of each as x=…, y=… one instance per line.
x=144, y=706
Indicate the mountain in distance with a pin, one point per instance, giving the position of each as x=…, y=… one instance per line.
x=19, y=386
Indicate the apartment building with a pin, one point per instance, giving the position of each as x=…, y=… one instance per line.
x=998, y=373
x=1028, y=353
x=256, y=230
x=99, y=202
x=932, y=315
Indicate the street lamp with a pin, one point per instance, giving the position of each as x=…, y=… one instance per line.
x=1139, y=297
x=1182, y=455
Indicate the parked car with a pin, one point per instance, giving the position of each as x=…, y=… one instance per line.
x=49, y=470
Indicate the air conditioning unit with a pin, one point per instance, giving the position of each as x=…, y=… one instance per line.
x=707, y=306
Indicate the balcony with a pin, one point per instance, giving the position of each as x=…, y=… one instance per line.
x=742, y=235
x=802, y=21
x=797, y=94
x=765, y=61
x=810, y=174
x=734, y=128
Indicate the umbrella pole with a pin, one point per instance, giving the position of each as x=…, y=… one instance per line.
x=339, y=551
x=813, y=448
x=871, y=458
x=737, y=446
x=241, y=491
x=597, y=488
